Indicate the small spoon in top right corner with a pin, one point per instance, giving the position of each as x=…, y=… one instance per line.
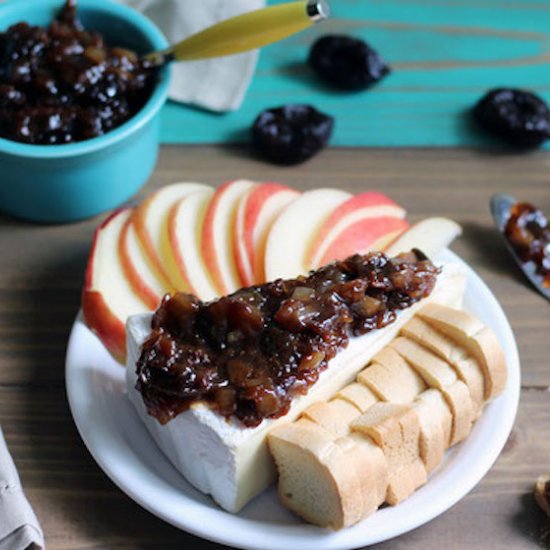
x=526, y=232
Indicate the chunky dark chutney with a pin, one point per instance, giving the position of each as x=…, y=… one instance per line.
x=62, y=83
x=248, y=354
x=528, y=231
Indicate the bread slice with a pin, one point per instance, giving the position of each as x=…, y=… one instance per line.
x=391, y=378
x=435, y=372
x=325, y=481
x=334, y=416
x=371, y=467
x=460, y=402
x=440, y=375
x=467, y=368
x=358, y=395
x=378, y=465
x=480, y=341
x=405, y=481
x=435, y=420
x=382, y=423
x=396, y=429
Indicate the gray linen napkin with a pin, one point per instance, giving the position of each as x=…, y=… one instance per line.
x=215, y=84
x=19, y=527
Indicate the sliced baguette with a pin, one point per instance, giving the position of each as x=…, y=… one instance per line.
x=371, y=468
x=334, y=416
x=382, y=423
x=435, y=372
x=436, y=423
x=377, y=465
x=391, y=378
x=480, y=341
x=460, y=402
x=440, y=375
x=405, y=481
x=325, y=481
x=358, y=395
x=396, y=429
x=467, y=368
x=402, y=442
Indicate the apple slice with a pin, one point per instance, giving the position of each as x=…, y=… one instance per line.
x=383, y=242
x=361, y=237
x=351, y=228
x=295, y=229
x=150, y=221
x=144, y=281
x=257, y=211
x=354, y=227
x=108, y=298
x=217, y=243
x=431, y=235
x=185, y=221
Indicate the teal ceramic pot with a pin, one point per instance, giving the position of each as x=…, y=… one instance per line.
x=64, y=183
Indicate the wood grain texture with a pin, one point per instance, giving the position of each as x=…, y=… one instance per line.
x=41, y=272
x=444, y=55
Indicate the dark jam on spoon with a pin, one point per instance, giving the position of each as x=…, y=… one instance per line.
x=248, y=354
x=528, y=231
x=62, y=83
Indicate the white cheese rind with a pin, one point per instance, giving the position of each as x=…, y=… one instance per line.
x=225, y=459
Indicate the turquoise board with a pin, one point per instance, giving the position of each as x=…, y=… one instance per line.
x=444, y=53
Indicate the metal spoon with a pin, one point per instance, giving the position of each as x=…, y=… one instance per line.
x=247, y=31
x=501, y=203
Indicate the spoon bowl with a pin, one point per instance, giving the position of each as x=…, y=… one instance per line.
x=501, y=205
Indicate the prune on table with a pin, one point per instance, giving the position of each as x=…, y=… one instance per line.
x=347, y=62
x=517, y=116
x=292, y=133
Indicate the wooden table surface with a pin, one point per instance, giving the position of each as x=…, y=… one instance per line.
x=41, y=273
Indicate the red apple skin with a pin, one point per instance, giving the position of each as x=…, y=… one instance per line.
x=362, y=241
x=178, y=259
x=366, y=232
x=100, y=320
x=251, y=208
x=138, y=220
x=208, y=247
x=97, y=314
x=146, y=293
x=207, y=240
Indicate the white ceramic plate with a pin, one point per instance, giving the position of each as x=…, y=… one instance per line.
x=122, y=446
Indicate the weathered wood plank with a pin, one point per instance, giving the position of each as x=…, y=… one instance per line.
x=444, y=56
x=81, y=509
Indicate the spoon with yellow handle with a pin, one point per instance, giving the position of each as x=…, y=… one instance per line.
x=247, y=31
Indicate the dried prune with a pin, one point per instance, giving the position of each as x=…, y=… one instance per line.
x=347, y=62
x=292, y=133
x=517, y=116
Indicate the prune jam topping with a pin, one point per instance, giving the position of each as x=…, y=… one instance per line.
x=62, y=83
x=248, y=354
x=528, y=231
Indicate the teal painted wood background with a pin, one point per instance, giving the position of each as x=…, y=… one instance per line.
x=444, y=55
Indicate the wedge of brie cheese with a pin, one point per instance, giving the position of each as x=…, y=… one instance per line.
x=224, y=458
